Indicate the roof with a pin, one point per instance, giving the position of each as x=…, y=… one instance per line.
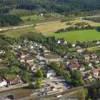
x=96, y=70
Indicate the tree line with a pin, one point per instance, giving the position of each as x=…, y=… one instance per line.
x=51, y=5
x=9, y=20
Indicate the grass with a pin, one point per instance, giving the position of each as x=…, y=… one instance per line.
x=32, y=19
x=50, y=26
x=93, y=49
x=18, y=32
x=81, y=35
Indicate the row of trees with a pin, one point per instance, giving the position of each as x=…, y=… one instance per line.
x=72, y=77
x=7, y=20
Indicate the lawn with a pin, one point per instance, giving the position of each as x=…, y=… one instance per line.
x=81, y=35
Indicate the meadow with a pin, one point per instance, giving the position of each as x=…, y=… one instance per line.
x=80, y=35
x=49, y=29
x=16, y=33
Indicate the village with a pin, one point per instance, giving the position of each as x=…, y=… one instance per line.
x=34, y=58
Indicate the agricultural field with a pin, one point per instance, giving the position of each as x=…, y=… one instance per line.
x=81, y=35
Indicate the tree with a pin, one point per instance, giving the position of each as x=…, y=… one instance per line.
x=67, y=76
x=38, y=83
x=98, y=29
x=6, y=20
x=26, y=76
x=14, y=70
x=39, y=74
x=76, y=78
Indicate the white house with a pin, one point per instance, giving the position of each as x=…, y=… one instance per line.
x=80, y=50
x=51, y=74
x=3, y=83
x=73, y=45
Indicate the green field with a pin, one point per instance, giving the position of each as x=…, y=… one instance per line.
x=81, y=35
x=32, y=19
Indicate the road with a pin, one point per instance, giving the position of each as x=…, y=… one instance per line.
x=15, y=27
x=13, y=87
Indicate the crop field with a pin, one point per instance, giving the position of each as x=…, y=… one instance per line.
x=81, y=35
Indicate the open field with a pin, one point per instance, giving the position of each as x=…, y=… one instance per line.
x=48, y=28
x=17, y=32
x=52, y=26
x=32, y=19
x=82, y=35
x=36, y=18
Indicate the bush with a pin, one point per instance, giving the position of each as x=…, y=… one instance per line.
x=98, y=29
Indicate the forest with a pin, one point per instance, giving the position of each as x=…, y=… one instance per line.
x=9, y=20
x=59, y=6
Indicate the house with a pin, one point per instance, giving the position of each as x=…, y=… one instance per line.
x=51, y=73
x=97, y=61
x=98, y=42
x=2, y=52
x=80, y=50
x=34, y=68
x=96, y=73
x=29, y=60
x=82, y=69
x=73, y=45
x=74, y=65
x=46, y=51
x=90, y=65
x=3, y=83
x=88, y=76
x=59, y=42
x=87, y=58
x=93, y=56
x=40, y=58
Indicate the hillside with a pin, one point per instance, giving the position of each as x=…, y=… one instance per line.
x=50, y=5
